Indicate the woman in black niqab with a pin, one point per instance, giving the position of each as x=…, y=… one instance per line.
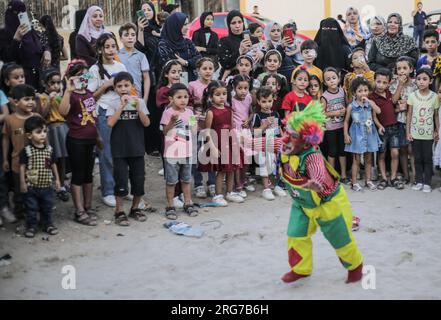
x=334, y=48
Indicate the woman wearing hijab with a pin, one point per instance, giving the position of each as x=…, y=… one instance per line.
x=334, y=48
x=234, y=45
x=354, y=31
x=387, y=48
x=149, y=34
x=23, y=45
x=377, y=28
x=273, y=34
x=173, y=45
x=205, y=39
x=91, y=29
x=79, y=16
x=54, y=40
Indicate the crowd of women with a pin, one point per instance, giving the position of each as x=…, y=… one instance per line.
x=227, y=84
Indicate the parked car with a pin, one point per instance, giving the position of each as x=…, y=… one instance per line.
x=433, y=19
x=220, y=24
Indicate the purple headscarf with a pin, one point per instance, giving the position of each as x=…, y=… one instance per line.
x=11, y=18
x=87, y=29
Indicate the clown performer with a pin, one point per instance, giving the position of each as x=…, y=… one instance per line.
x=318, y=198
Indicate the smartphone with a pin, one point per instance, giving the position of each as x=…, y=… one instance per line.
x=247, y=34
x=24, y=19
x=141, y=14
x=289, y=33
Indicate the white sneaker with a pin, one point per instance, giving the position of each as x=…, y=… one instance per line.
x=418, y=187
x=278, y=191
x=250, y=188
x=427, y=188
x=211, y=190
x=200, y=192
x=7, y=215
x=161, y=172
x=219, y=199
x=109, y=201
x=234, y=197
x=177, y=203
x=242, y=193
x=268, y=194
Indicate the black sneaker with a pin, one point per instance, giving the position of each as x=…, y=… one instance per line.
x=63, y=195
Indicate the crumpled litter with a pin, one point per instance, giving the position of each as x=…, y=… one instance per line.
x=181, y=228
x=4, y=261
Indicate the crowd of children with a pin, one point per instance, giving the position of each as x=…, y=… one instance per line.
x=228, y=129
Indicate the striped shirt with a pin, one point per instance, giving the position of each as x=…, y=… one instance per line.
x=316, y=169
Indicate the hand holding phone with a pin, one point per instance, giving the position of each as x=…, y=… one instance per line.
x=289, y=33
x=141, y=14
x=247, y=35
x=24, y=19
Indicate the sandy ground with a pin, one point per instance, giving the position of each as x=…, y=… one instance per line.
x=240, y=257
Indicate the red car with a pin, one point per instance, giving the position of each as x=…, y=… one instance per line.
x=220, y=24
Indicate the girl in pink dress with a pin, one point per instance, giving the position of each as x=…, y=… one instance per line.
x=205, y=68
x=241, y=104
x=221, y=151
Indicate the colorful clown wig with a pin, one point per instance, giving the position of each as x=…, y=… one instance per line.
x=309, y=123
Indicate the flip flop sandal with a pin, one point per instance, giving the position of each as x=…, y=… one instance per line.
x=84, y=219
x=30, y=233
x=121, y=219
x=356, y=187
x=92, y=214
x=397, y=184
x=52, y=230
x=382, y=185
x=371, y=186
x=170, y=213
x=138, y=215
x=191, y=211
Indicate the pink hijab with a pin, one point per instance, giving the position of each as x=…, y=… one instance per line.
x=87, y=29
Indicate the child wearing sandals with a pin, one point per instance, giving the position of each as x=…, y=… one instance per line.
x=37, y=170
x=79, y=107
x=179, y=125
x=48, y=107
x=361, y=138
x=334, y=104
x=127, y=120
x=388, y=129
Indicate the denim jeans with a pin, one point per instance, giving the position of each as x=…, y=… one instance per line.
x=198, y=178
x=38, y=200
x=418, y=32
x=105, y=156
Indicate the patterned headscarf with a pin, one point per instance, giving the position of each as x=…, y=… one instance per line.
x=395, y=46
